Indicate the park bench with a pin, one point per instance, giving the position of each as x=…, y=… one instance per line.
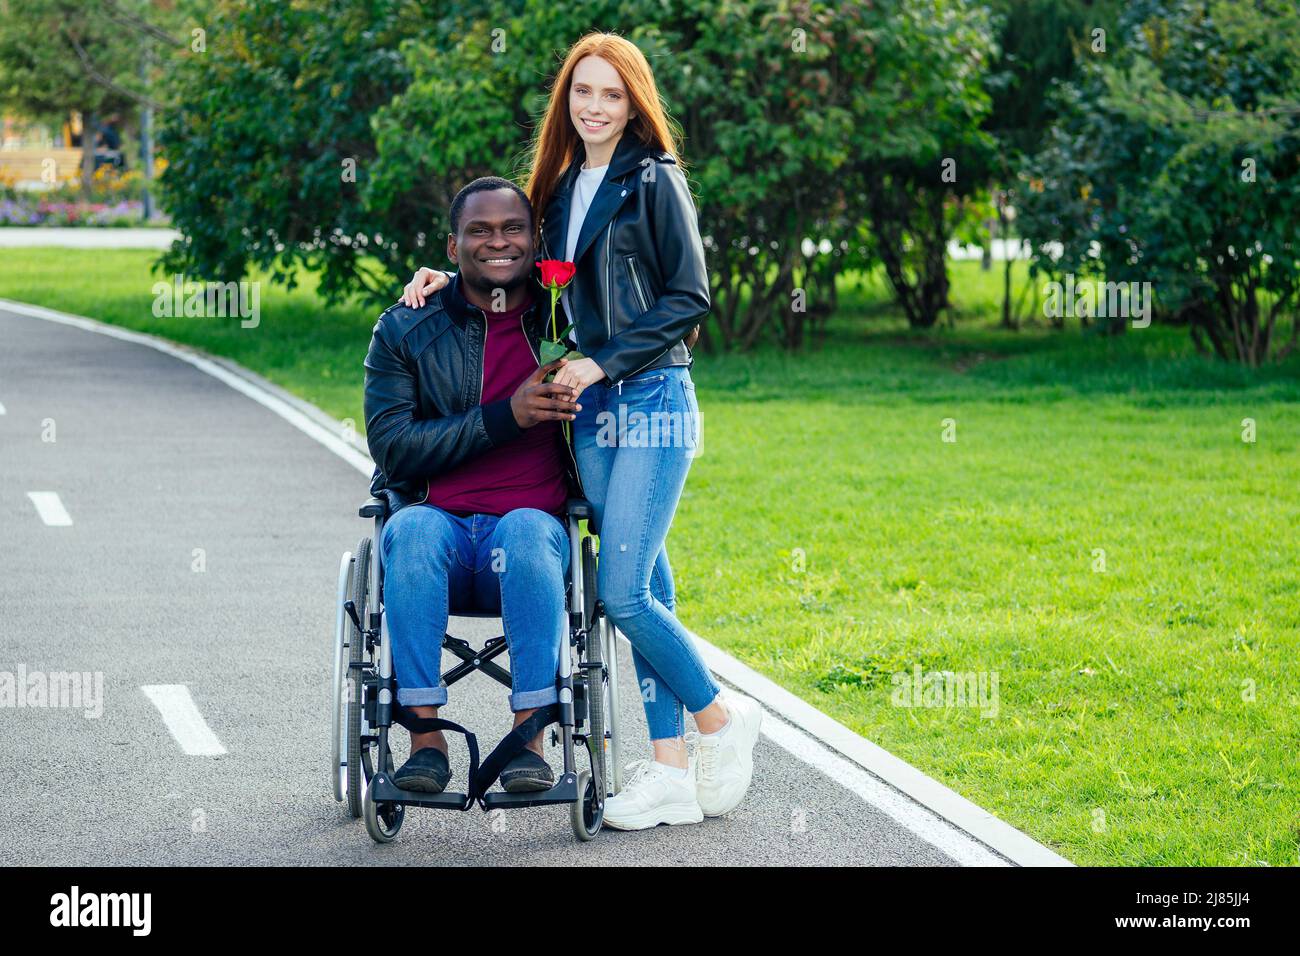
x=31, y=166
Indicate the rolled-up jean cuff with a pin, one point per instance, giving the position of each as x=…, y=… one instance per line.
x=530, y=699
x=422, y=696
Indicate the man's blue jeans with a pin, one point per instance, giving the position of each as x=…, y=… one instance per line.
x=634, y=446
x=436, y=563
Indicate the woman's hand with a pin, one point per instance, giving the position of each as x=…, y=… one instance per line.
x=423, y=284
x=578, y=374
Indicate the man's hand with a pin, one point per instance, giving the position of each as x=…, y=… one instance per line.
x=423, y=284
x=536, y=401
x=579, y=374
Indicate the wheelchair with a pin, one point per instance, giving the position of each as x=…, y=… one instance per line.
x=365, y=704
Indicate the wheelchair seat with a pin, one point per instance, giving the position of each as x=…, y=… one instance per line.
x=378, y=507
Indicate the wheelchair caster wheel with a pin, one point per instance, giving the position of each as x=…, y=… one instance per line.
x=587, y=815
x=383, y=820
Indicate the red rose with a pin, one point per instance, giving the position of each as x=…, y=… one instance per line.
x=556, y=273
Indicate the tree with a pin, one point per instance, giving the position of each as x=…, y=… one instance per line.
x=270, y=144
x=1177, y=162
x=59, y=55
x=1040, y=45
x=925, y=158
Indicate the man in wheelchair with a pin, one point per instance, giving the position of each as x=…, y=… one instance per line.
x=467, y=443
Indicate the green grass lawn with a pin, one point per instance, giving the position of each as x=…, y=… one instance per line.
x=1148, y=699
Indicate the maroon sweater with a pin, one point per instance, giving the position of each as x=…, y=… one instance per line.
x=527, y=472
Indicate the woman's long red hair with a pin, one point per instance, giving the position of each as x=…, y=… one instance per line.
x=558, y=142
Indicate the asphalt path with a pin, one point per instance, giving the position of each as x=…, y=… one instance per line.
x=202, y=552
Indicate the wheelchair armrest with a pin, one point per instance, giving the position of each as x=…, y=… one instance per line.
x=578, y=508
x=374, y=508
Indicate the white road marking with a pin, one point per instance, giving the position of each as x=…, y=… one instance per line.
x=183, y=719
x=912, y=816
x=925, y=806
x=970, y=823
x=2, y=408
x=50, y=508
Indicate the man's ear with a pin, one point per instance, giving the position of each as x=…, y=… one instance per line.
x=451, y=248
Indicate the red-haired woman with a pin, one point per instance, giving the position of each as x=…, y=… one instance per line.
x=615, y=202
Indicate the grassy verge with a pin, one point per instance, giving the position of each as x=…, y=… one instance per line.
x=1098, y=539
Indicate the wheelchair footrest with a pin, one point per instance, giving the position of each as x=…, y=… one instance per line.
x=564, y=791
x=385, y=791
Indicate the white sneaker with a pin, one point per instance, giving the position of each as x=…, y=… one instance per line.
x=651, y=796
x=724, y=762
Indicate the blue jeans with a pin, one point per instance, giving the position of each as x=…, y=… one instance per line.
x=634, y=446
x=436, y=563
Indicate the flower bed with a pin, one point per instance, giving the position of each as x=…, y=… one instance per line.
x=23, y=211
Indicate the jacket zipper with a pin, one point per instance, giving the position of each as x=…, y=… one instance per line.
x=482, y=354
x=641, y=296
x=523, y=328
x=609, y=289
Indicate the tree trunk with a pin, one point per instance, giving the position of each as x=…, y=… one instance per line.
x=1009, y=320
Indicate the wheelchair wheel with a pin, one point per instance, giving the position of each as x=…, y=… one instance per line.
x=589, y=571
x=339, y=709
x=613, y=711
x=383, y=820
x=356, y=775
x=587, y=813
x=596, y=677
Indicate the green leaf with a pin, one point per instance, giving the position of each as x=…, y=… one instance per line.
x=551, y=351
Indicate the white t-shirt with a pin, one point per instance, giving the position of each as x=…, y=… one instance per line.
x=584, y=191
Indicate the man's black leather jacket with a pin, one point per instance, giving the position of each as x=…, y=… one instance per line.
x=424, y=386
x=641, y=284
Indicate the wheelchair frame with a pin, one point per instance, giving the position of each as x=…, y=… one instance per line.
x=365, y=706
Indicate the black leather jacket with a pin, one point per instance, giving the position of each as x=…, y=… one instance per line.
x=641, y=284
x=424, y=385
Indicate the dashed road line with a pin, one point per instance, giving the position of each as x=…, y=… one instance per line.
x=183, y=719
x=50, y=508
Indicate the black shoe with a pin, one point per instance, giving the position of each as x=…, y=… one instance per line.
x=426, y=772
x=527, y=773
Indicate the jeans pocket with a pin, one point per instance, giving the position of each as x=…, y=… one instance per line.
x=646, y=379
x=691, y=424
x=637, y=413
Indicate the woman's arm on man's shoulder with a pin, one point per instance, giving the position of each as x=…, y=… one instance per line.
x=423, y=284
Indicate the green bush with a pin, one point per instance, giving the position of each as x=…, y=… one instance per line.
x=1177, y=162
x=268, y=122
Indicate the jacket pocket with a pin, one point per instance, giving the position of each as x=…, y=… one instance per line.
x=638, y=288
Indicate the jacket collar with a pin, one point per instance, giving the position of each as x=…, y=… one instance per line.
x=629, y=154
x=461, y=310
